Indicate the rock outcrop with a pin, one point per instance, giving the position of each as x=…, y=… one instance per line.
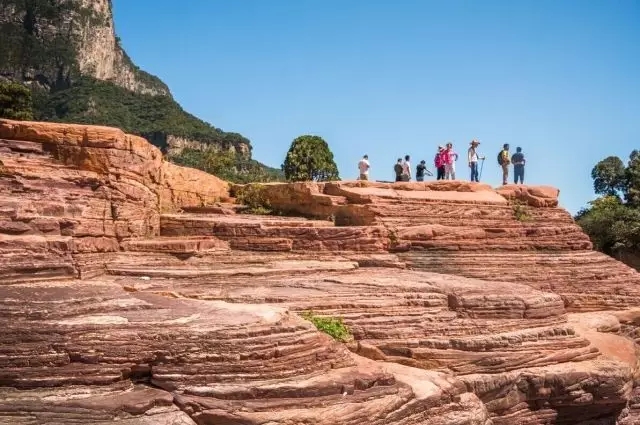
x=132, y=290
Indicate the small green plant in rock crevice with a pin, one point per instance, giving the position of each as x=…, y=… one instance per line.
x=332, y=326
x=520, y=211
x=393, y=236
x=253, y=196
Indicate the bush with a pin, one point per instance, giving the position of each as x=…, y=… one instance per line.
x=332, y=326
x=310, y=159
x=254, y=198
x=521, y=211
x=15, y=101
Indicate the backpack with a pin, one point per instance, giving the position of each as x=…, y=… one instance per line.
x=500, y=158
x=398, y=169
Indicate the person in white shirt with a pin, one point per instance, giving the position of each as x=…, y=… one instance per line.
x=406, y=169
x=364, y=166
x=472, y=158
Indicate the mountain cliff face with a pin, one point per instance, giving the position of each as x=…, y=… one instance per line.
x=68, y=52
x=64, y=36
x=100, y=54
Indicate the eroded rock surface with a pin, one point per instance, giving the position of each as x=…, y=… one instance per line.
x=132, y=291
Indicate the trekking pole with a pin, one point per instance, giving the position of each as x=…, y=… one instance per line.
x=481, y=167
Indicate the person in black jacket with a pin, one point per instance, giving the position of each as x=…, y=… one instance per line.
x=398, y=170
x=421, y=170
x=518, y=161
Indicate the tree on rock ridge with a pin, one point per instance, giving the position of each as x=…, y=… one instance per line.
x=310, y=159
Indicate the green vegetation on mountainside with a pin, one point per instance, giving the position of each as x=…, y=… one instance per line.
x=227, y=165
x=612, y=221
x=90, y=101
x=15, y=102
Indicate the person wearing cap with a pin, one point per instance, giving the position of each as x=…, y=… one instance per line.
x=518, y=162
x=504, y=159
x=472, y=158
x=363, y=167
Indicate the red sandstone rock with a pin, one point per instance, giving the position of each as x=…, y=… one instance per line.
x=535, y=196
x=190, y=318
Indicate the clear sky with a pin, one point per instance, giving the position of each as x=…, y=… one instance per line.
x=392, y=77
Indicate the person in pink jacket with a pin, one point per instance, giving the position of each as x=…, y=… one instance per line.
x=440, y=162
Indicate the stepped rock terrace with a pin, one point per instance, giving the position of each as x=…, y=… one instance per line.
x=135, y=290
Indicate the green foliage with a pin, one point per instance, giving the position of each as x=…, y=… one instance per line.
x=15, y=101
x=332, y=326
x=521, y=211
x=310, y=159
x=612, y=225
x=90, y=101
x=612, y=221
x=609, y=176
x=632, y=180
x=227, y=165
x=253, y=196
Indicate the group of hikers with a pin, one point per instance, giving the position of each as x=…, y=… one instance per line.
x=445, y=165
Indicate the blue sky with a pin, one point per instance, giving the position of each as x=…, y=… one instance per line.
x=388, y=78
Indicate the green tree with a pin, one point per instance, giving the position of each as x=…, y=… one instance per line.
x=15, y=101
x=310, y=159
x=609, y=176
x=612, y=221
x=611, y=225
x=632, y=179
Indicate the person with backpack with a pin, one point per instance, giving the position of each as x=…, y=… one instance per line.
x=450, y=166
x=518, y=162
x=406, y=169
x=472, y=158
x=440, y=162
x=398, y=170
x=421, y=170
x=504, y=161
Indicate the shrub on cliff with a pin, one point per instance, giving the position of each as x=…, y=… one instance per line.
x=310, y=159
x=253, y=196
x=612, y=221
x=15, y=101
x=332, y=326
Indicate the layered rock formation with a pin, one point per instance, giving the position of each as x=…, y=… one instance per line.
x=134, y=291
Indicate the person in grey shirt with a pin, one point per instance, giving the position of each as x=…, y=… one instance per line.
x=518, y=161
